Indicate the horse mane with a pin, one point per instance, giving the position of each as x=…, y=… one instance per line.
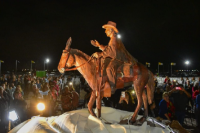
x=81, y=54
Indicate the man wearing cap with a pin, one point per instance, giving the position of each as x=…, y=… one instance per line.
x=114, y=50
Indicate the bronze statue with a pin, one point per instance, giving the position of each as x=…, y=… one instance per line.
x=125, y=69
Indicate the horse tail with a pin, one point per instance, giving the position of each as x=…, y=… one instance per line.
x=150, y=88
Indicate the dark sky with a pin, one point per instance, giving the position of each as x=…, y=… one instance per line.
x=152, y=31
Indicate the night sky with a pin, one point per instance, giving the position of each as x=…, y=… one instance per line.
x=152, y=31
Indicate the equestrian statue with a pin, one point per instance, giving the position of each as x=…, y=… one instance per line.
x=113, y=68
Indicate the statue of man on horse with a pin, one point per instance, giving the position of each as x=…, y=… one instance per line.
x=116, y=59
x=115, y=50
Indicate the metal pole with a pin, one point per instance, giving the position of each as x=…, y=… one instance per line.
x=44, y=65
x=16, y=66
x=158, y=69
x=31, y=67
x=0, y=67
x=171, y=69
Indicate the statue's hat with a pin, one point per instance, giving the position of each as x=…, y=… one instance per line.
x=112, y=25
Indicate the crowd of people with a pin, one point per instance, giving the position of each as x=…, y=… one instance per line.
x=171, y=101
x=175, y=99
x=15, y=90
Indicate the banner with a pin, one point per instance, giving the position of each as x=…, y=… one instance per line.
x=1, y=61
x=173, y=64
x=32, y=62
x=159, y=63
x=148, y=64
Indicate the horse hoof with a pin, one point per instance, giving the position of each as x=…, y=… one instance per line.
x=142, y=119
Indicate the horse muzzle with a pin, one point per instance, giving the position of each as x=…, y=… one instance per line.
x=61, y=70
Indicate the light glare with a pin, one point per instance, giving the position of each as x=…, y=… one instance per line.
x=47, y=60
x=13, y=115
x=40, y=106
x=187, y=62
x=118, y=36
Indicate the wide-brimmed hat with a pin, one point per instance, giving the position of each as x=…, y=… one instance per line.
x=112, y=25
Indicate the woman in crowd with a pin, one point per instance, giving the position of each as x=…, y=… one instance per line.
x=197, y=110
x=3, y=111
x=126, y=103
x=20, y=104
x=167, y=109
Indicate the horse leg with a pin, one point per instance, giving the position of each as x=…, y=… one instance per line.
x=144, y=97
x=98, y=105
x=139, y=90
x=91, y=103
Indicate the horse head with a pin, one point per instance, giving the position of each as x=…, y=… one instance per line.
x=66, y=60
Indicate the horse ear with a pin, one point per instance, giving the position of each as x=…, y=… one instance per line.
x=69, y=41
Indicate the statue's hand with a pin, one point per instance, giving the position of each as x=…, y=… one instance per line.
x=95, y=43
x=96, y=55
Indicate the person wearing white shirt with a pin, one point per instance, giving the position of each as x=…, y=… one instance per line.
x=76, y=83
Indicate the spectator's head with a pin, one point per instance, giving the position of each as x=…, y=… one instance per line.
x=128, y=97
x=166, y=96
x=38, y=81
x=6, y=83
x=19, y=88
x=181, y=78
x=4, y=86
x=197, y=84
x=34, y=86
x=168, y=88
x=186, y=78
x=10, y=87
x=167, y=77
x=45, y=87
x=71, y=88
x=157, y=90
x=12, y=84
x=193, y=78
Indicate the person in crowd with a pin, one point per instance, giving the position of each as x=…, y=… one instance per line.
x=20, y=104
x=187, y=84
x=195, y=87
x=39, y=85
x=195, y=94
x=156, y=82
x=18, y=94
x=166, y=108
x=158, y=96
x=4, y=78
x=180, y=97
x=165, y=82
x=9, y=79
x=27, y=84
x=174, y=83
x=197, y=109
x=182, y=81
x=126, y=103
x=76, y=84
x=192, y=82
x=7, y=94
x=13, y=87
x=3, y=111
x=168, y=88
x=45, y=89
x=14, y=80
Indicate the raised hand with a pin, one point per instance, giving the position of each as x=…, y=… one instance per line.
x=95, y=43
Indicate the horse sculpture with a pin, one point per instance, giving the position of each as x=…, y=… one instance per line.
x=139, y=76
